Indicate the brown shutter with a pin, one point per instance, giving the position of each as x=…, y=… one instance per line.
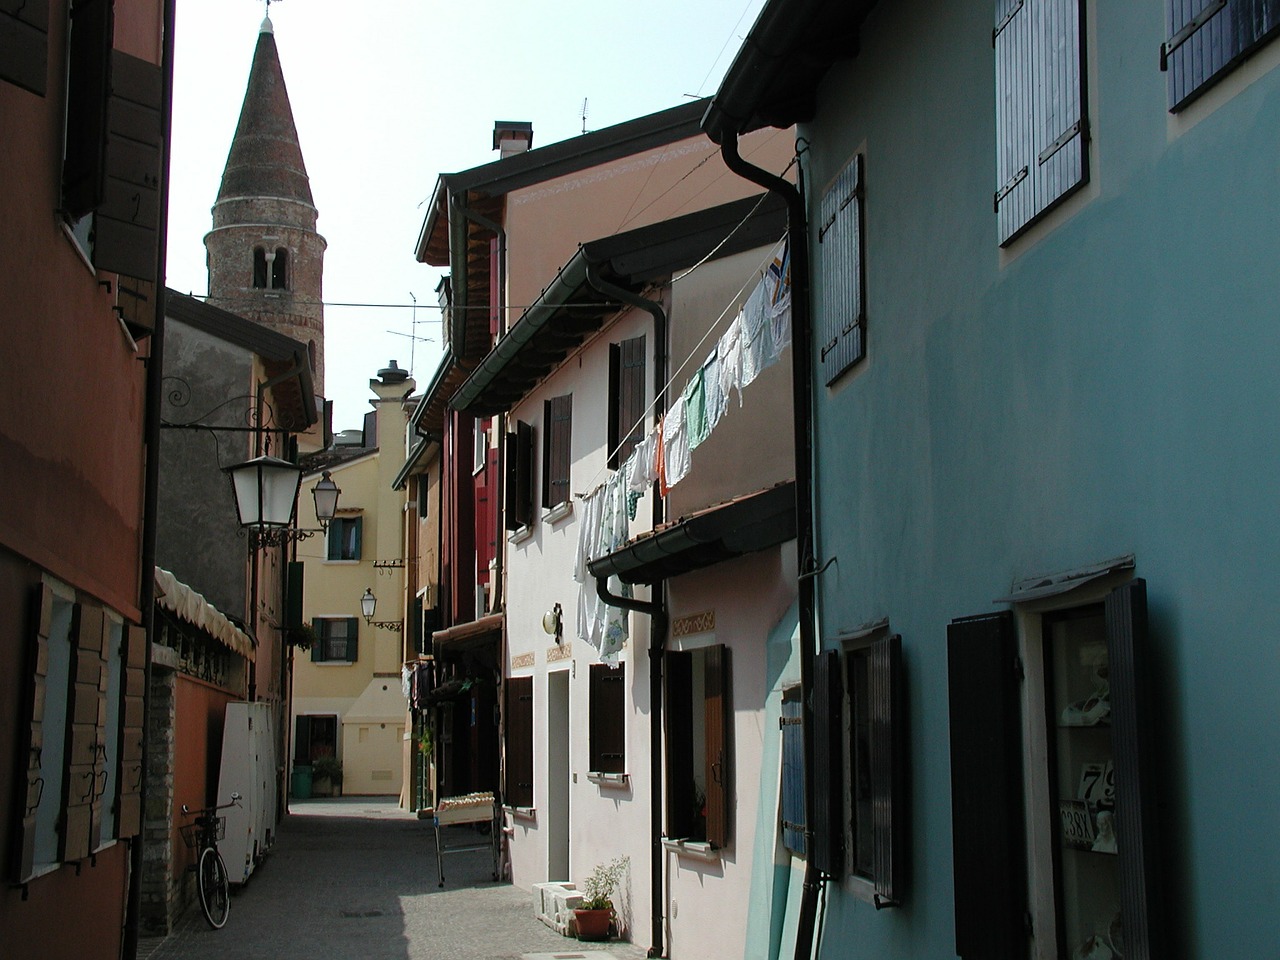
x=888, y=768
x=127, y=227
x=719, y=748
x=24, y=44
x=1136, y=834
x=132, y=720
x=519, y=742
x=519, y=477
x=989, y=845
x=88, y=89
x=37, y=671
x=828, y=768
x=631, y=401
x=678, y=674
x=608, y=735
x=615, y=404
x=557, y=451
x=87, y=713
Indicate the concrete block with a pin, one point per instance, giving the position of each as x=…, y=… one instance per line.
x=553, y=904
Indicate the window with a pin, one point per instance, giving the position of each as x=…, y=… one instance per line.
x=698, y=748
x=1208, y=38
x=344, y=538
x=280, y=270
x=842, y=309
x=1041, y=127
x=519, y=479
x=518, y=785
x=315, y=737
x=608, y=734
x=626, y=399
x=337, y=640
x=1083, y=747
x=557, y=419
x=90, y=30
x=479, y=443
x=423, y=489
x=24, y=38
x=259, y=268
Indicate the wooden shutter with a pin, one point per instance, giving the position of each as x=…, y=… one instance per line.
x=719, y=746
x=608, y=733
x=678, y=674
x=87, y=715
x=36, y=671
x=1041, y=127
x=24, y=44
x=519, y=742
x=828, y=768
x=132, y=721
x=519, y=477
x=127, y=227
x=1131, y=730
x=357, y=535
x=626, y=399
x=888, y=768
x=1207, y=38
x=792, y=813
x=841, y=261
x=557, y=453
x=352, y=625
x=293, y=595
x=317, y=649
x=987, y=834
x=88, y=90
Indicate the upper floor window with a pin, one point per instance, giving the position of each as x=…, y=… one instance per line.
x=557, y=420
x=842, y=308
x=280, y=269
x=344, y=538
x=259, y=268
x=337, y=639
x=626, y=399
x=1208, y=38
x=519, y=476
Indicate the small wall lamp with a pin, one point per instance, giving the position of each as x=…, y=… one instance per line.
x=553, y=623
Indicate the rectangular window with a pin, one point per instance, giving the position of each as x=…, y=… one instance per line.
x=24, y=40
x=479, y=443
x=343, y=539
x=626, y=399
x=841, y=260
x=90, y=32
x=337, y=640
x=557, y=423
x=519, y=479
x=518, y=786
x=1041, y=125
x=424, y=499
x=608, y=733
x=699, y=751
x=1208, y=38
x=315, y=737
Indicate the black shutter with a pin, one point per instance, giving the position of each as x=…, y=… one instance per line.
x=840, y=253
x=557, y=414
x=888, y=768
x=127, y=228
x=608, y=734
x=615, y=405
x=88, y=90
x=519, y=477
x=678, y=672
x=24, y=44
x=293, y=595
x=828, y=767
x=1041, y=127
x=519, y=742
x=353, y=638
x=719, y=747
x=626, y=399
x=1207, y=38
x=1136, y=834
x=792, y=812
x=986, y=789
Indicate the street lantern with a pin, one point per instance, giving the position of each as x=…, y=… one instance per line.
x=326, y=496
x=266, y=490
x=368, y=603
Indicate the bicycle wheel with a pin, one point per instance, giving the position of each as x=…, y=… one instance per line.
x=211, y=882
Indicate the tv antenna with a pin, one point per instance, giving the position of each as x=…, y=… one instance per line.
x=584, y=108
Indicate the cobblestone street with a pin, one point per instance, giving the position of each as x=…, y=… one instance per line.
x=355, y=879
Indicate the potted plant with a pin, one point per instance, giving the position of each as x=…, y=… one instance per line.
x=302, y=636
x=328, y=768
x=596, y=912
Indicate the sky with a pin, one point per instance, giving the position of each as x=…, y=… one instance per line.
x=387, y=96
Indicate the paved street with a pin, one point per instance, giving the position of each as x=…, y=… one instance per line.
x=355, y=879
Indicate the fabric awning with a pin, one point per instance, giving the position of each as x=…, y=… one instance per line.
x=475, y=629
x=189, y=606
x=722, y=532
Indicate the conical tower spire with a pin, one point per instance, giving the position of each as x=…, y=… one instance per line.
x=265, y=257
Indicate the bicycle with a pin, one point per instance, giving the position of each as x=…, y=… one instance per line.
x=211, y=872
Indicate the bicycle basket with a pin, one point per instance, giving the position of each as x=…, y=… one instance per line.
x=192, y=832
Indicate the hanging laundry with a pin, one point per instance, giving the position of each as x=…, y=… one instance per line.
x=729, y=353
x=604, y=529
x=660, y=457
x=675, y=445
x=643, y=464
x=695, y=410
x=778, y=278
x=717, y=399
x=589, y=621
x=757, y=334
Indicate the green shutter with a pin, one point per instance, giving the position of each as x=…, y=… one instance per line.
x=317, y=648
x=353, y=635
x=359, y=525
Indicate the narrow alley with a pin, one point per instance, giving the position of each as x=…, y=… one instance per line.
x=355, y=879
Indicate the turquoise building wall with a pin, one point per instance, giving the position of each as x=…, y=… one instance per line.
x=1106, y=385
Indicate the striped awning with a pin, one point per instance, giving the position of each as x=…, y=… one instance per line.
x=189, y=606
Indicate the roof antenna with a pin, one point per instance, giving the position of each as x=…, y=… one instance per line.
x=584, y=106
x=266, y=21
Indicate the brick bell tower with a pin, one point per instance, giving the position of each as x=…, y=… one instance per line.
x=265, y=258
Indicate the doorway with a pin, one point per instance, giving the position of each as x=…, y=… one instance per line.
x=558, y=775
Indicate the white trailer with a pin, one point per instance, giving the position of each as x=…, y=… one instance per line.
x=248, y=768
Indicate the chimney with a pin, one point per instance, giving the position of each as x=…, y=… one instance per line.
x=512, y=136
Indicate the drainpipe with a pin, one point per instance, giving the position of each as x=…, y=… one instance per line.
x=802, y=412
x=151, y=487
x=654, y=608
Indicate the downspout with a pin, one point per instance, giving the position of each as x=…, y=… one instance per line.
x=654, y=608
x=151, y=486
x=802, y=413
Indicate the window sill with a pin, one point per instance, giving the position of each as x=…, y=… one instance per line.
x=347, y=562
x=559, y=512
x=522, y=813
x=332, y=663
x=614, y=780
x=520, y=535
x=693, y=850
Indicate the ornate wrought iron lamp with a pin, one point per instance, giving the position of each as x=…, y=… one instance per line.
x=368, y=604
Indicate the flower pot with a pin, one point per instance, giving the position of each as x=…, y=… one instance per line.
x=593, y=924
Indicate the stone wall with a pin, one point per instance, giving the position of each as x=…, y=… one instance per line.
x=160, y=901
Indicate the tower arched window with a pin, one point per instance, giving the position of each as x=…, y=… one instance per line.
x=259, y=268
x=280, y=270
